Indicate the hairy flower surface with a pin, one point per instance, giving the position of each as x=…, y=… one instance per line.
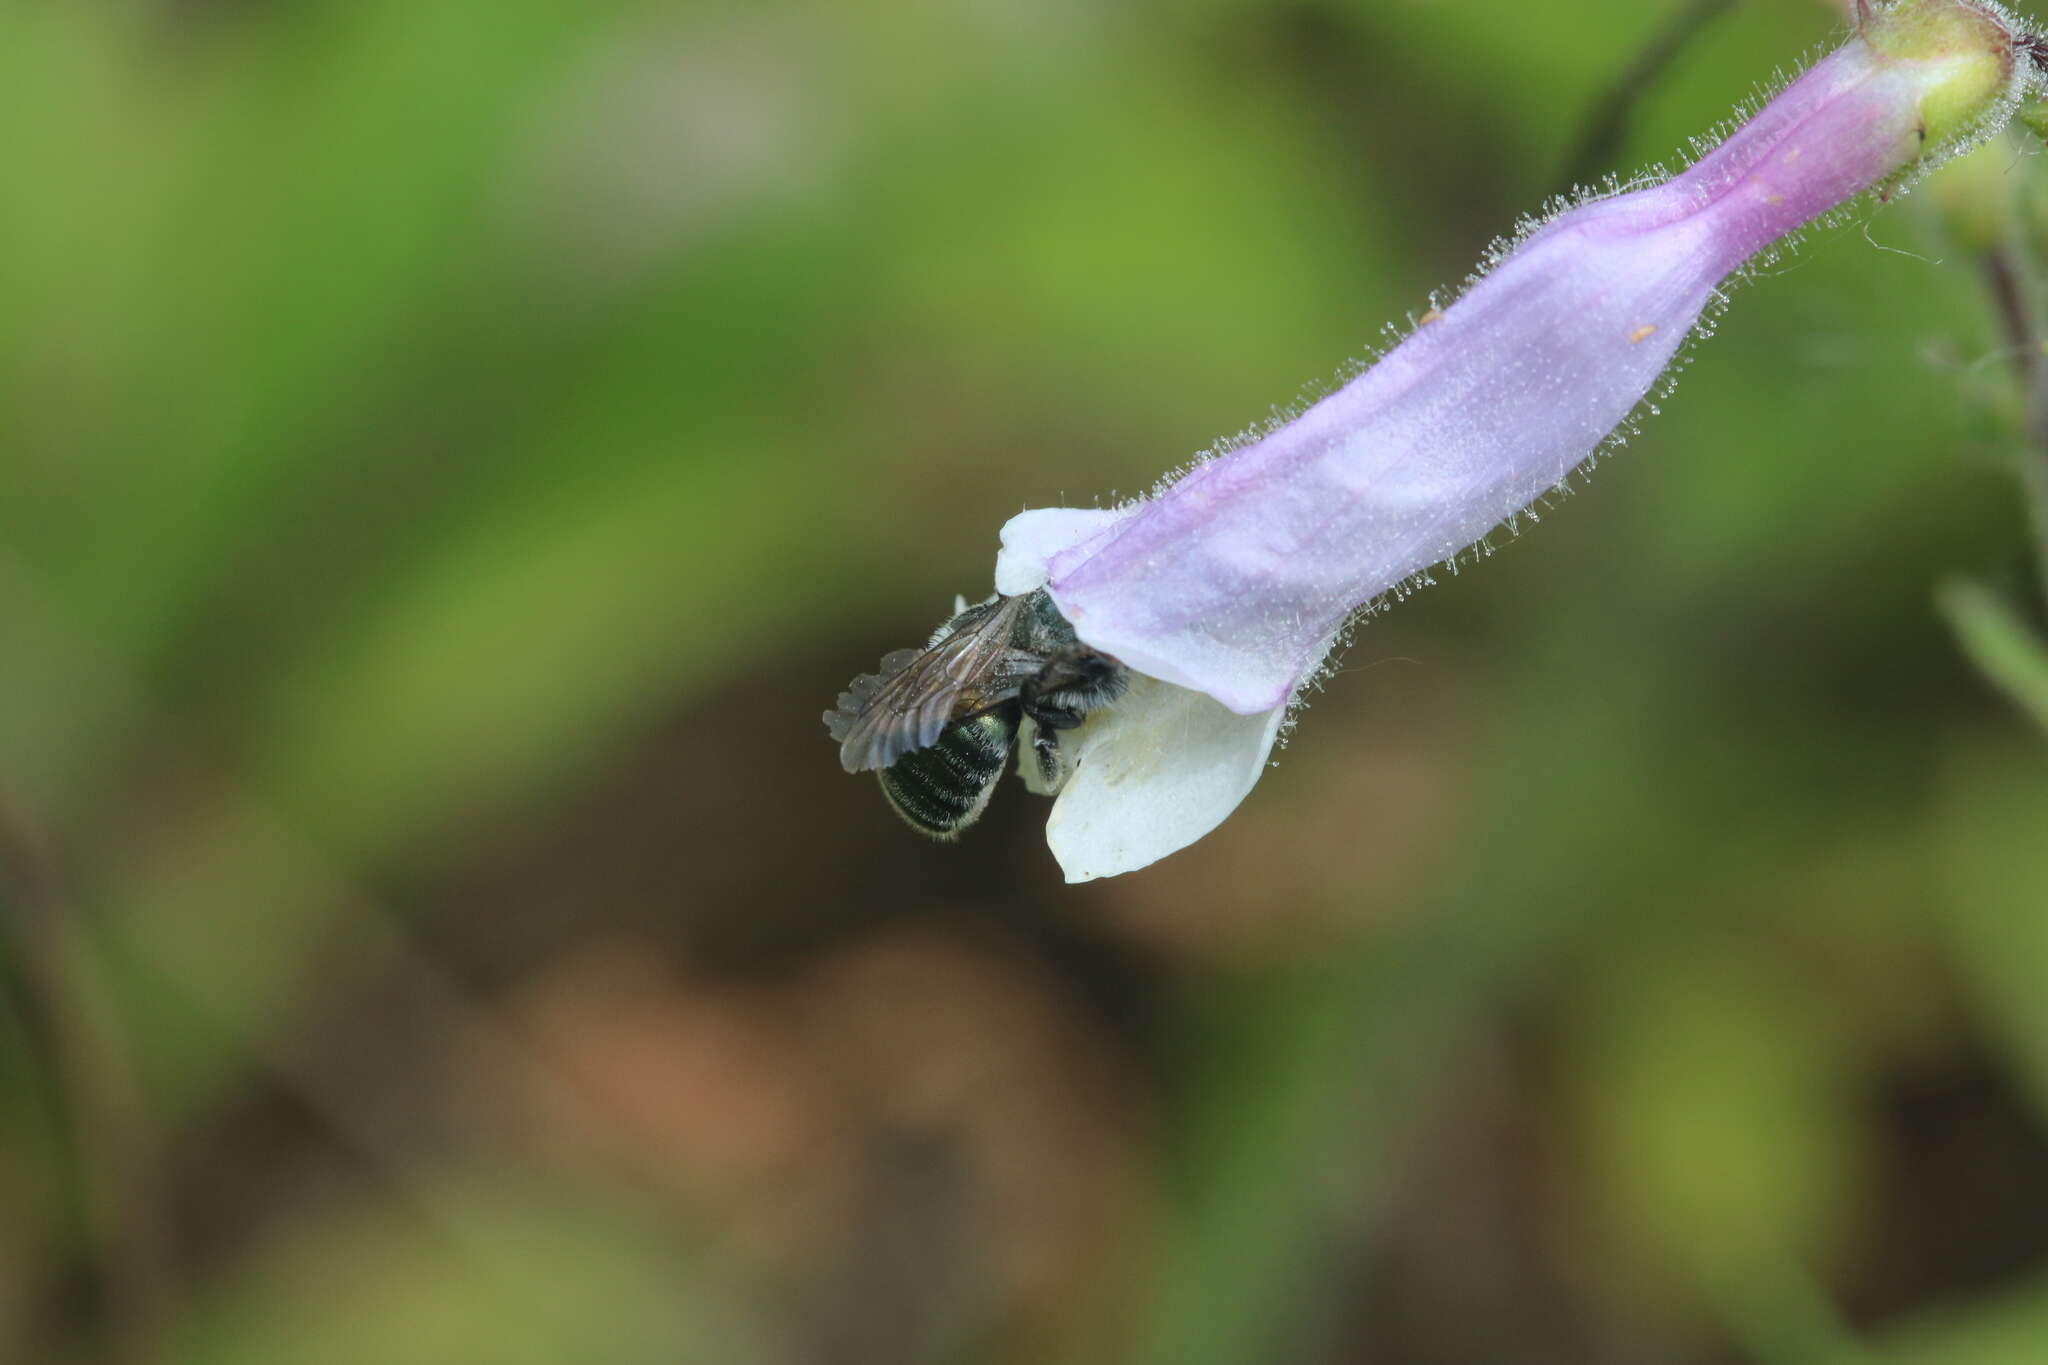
x=1226, y=589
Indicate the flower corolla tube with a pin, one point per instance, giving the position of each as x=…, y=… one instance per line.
x=1224, y=591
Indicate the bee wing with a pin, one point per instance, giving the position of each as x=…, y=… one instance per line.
x=969, y=667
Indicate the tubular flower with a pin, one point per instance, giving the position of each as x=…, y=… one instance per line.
x=1224, y=591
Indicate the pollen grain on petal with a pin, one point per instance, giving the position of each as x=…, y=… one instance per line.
x=1642, y=333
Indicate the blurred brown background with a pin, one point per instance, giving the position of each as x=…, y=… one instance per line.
x=456, y=450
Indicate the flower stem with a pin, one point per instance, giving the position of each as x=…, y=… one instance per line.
x=2034, y=475
x=2004, y=275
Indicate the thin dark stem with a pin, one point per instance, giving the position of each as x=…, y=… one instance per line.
x=2034, y=476
x=2016, y=314
x=1600, y=139
x=98, y=1097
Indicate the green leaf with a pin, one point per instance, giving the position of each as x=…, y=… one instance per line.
x=2000, y=644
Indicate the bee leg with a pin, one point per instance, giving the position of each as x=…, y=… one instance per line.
x=1072, y=683
x=1051, y=761
x=1040, y=761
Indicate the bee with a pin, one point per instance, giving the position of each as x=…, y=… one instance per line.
x=937, y=725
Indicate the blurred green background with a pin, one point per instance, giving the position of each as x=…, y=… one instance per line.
x=454, y=450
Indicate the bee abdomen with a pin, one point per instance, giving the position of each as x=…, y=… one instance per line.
x=942, y=789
